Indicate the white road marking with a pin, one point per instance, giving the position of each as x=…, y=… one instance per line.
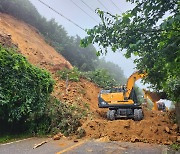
x=16, y=141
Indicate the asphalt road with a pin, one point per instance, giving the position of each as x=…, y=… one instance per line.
x=81, y=147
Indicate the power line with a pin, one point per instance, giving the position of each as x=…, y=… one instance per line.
x=88, y=6
x=62, y=15
x=116, y=6
x=103, y=5
x=84, y=11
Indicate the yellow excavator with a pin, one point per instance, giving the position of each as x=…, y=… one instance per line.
x=154, y=97
x=122, y=101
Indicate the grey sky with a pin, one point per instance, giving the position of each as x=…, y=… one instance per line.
x=71, y=11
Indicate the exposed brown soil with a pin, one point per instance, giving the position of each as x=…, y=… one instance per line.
x=156, y=127
x=31, y=44
x=83, y=94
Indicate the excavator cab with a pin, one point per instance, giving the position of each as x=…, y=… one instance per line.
x=122, y=102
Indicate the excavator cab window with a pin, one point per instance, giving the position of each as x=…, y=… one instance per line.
x=116, y=90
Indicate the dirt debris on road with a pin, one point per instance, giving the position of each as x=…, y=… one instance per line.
x=156, y=127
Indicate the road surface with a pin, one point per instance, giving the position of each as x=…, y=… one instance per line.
x=66, y=146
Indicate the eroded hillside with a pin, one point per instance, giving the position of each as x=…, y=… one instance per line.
x=31, y=44
x=156, y=127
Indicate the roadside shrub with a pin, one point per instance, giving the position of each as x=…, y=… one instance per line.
x=24, y=89
x=70, y=74
x=58, y=117
x=101, y=77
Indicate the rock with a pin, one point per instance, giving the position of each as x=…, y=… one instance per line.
x=173, y=138
x=168, y=142
x=178, y=139
x=91, y=126
x=167, y=129
x=155, y=130
x=57, y=136
x=127, y=124
x=134, y=139
x=76, y=141
x=175, y=127
x=139, y=132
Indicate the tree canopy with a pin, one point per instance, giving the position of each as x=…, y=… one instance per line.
x=150, y=31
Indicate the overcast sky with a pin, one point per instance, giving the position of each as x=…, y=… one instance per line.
x=88, y=19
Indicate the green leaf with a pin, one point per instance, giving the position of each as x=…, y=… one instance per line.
x=98, y=53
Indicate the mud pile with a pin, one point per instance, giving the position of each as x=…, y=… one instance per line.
x=83, y=94
x=154, y=128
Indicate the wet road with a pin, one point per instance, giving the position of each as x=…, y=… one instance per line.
x=81, y=147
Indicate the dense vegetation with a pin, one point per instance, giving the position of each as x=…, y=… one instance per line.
x=100, y=77
x=24, y=89
x=142, y=32
x=25, y=101
x=58, y=116
x=84, y=59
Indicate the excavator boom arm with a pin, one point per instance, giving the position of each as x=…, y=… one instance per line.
x=131, y=80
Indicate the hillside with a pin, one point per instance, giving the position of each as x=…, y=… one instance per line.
x=155, y=128
x=15, y=33
x=31, y=44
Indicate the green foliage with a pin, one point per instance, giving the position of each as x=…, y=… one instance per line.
x=101, y=77
x=71, y=75
x=142, y=32
x=113, y=69
x=173, y=88
x=64, y=118
x=57, y=117
x=24, y=89
x=24, y=95
x=54, y=33
x=175, y=146
x=81, y=133
x=83, y=58
x=5, y=138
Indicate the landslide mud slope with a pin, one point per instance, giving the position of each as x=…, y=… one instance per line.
x=156, y=127
x=28, y=41
x=16, y=33
x=31, y=44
